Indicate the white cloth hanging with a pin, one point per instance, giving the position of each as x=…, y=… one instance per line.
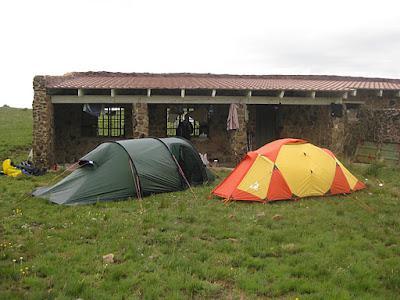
x=93, y=109
x=232, y=123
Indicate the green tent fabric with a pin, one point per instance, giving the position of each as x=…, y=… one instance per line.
x=130, y=168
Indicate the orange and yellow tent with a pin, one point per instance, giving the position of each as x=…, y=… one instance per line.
x=287, y=169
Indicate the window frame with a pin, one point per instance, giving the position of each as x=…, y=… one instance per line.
x=109, y=124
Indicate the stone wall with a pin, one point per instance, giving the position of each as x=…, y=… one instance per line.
x=374, y=102
x=140, y=120
x=314, y=123
x=385, y=127
x=63, y=139
x=43, y=125
x=73, y=137
x=376, y=121
x=338, y=134
x=380, y=125
x=72, y=140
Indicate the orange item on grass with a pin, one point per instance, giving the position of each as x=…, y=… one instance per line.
x=287, y=169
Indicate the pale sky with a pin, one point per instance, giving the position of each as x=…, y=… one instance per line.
x=50, y=37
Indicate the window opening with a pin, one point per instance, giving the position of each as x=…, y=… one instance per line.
x=103, y=121
x=176, y=116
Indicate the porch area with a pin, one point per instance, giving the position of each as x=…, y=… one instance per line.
x=70, y=120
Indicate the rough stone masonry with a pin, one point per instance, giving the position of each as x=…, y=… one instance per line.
x=43, y=124
x=58, y=136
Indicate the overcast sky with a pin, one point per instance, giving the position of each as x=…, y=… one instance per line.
x=352, y=37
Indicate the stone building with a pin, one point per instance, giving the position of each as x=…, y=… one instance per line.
x=75, y=112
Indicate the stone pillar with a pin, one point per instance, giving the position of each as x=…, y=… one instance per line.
x=43, y=124
x=140, y=120
x=339, y=132
x=238, y=137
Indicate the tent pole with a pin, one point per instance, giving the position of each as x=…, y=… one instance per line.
x=135, y=179
x=183, y=175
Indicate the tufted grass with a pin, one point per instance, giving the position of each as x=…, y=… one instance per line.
x=178, y=246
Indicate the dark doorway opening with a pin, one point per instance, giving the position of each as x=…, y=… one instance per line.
x=266, y=124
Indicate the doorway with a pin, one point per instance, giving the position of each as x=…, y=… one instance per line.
x=266, y=124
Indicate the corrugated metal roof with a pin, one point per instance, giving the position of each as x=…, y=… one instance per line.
x=105, y=80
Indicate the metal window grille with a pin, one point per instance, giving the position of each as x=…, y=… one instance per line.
x=111, y=122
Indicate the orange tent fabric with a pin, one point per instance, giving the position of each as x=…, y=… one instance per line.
x=287, y=169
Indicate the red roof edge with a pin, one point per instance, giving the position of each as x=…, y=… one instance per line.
x=212, y=75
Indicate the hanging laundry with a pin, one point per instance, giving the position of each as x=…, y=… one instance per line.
x=232, y=123
x=93, y=109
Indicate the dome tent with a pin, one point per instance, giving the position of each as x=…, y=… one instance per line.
x=287, y=169
x=130, y=168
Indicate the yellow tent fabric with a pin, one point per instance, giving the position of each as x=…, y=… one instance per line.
x=257, y=179
x=287, y=169
x=308, y=170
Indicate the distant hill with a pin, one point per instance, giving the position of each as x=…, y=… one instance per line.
x=15, y=132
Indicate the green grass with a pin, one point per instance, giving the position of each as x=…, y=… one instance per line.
x=15, y=132
x=177, y=246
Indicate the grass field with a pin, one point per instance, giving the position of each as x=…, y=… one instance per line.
x=178, y=246
x=15, y=132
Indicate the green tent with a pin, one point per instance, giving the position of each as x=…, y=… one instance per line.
x=130, y=168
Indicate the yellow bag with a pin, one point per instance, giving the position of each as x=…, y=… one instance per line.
x=9, y=170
